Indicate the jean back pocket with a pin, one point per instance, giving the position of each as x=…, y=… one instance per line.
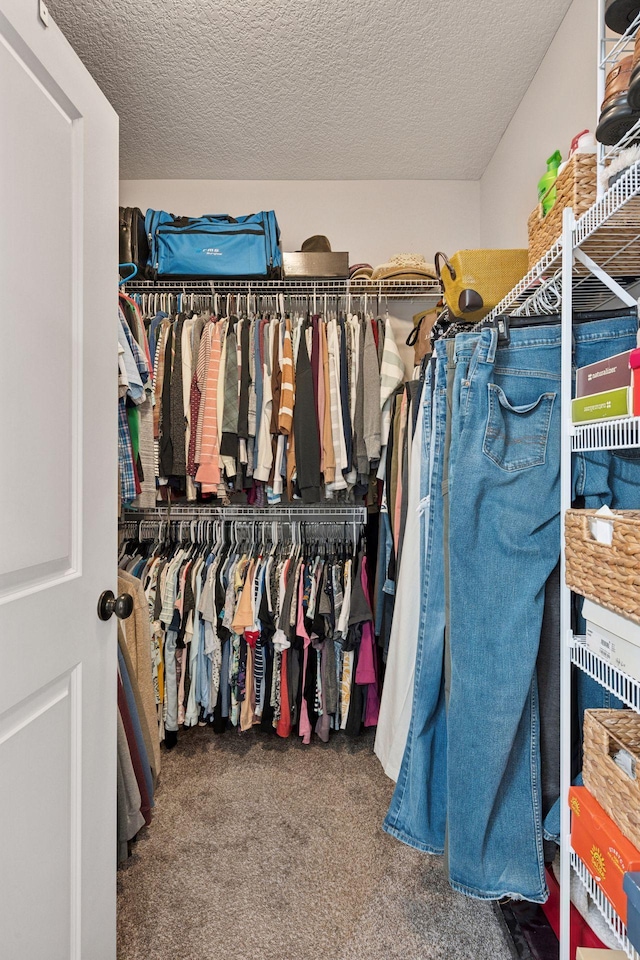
x=516, y=437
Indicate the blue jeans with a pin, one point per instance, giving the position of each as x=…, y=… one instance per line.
x=465, y=348
x=383, y=585
x=417, y=814
x=504, y=536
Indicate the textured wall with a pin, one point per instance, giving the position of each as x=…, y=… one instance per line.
x=370, y=219
x=560, y=102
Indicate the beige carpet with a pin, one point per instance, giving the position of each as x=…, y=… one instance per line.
x=263, y=849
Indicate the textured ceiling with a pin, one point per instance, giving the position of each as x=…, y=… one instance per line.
x=311, y=89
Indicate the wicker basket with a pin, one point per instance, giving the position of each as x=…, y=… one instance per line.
x=575, y=187
x=606, y=732
x=610, y=575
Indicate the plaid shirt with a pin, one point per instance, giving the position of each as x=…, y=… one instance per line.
x=125, y=455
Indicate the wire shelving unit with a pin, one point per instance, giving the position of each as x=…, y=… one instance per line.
x=596, y=258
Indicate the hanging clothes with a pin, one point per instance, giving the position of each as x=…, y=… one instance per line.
x=250, y=633
x=259, y=405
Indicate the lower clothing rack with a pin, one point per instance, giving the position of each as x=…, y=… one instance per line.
x=194, y=523
x=350, y=514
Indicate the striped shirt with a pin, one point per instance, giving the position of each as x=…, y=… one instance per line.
x=339, y=445
x=201, y=382
x=391, y=376
x=209, y=469
x=287, y=388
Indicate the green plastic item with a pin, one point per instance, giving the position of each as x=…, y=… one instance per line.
x=546, y=181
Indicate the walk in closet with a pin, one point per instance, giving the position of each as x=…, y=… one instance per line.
x=320, y=560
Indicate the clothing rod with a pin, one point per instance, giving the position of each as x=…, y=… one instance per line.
x=395, y=288
x=245, y=524
x=267, y=514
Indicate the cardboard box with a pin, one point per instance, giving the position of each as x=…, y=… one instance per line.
x=613, y=638
x=602, y=847
x=602, y=406
x=632, y=890
x=320, y=265
x=584, y=953
x=604, y=375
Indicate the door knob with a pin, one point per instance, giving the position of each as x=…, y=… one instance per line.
x=122, y=606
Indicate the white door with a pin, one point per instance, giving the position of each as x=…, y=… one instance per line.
x=58, y=497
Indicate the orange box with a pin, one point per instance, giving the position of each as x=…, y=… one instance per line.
x=602, y=847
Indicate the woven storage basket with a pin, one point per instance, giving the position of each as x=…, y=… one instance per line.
x=575, y=187
x=610, y=575
x=606, y=732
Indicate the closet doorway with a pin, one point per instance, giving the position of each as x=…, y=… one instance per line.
x=58, y=471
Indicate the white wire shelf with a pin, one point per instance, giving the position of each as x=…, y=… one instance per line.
x=630, y=137
x=609, y=233
x=542, y=273
x=322, y=512
x=620, y=45
x=606, y=435
x=620, y=684
x=612, y=224
x=612, y=919
x=396, y=289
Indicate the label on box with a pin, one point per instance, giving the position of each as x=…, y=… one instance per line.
x=611, y=622
x=604, y=375
x=614, y=650
x=602, y=406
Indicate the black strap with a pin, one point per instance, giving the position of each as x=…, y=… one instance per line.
x=412, y=339
x=440, y=255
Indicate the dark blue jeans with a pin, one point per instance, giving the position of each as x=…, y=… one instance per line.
x=417, y=814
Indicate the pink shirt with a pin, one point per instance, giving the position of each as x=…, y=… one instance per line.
x=367, y=669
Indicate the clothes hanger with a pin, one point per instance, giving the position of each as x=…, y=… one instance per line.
x=124, y=266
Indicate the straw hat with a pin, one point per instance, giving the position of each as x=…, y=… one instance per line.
x=405, y=266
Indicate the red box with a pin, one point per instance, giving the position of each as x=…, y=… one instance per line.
x=581, y=934
x=634, y=363
x=602, y=847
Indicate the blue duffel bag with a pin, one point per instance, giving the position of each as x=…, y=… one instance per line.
x=216, y=245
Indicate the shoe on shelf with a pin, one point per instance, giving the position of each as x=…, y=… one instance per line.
x=616, y=114
x=620, y=14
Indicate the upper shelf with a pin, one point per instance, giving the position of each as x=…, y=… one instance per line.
x=609, y=233
x=395, y=289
